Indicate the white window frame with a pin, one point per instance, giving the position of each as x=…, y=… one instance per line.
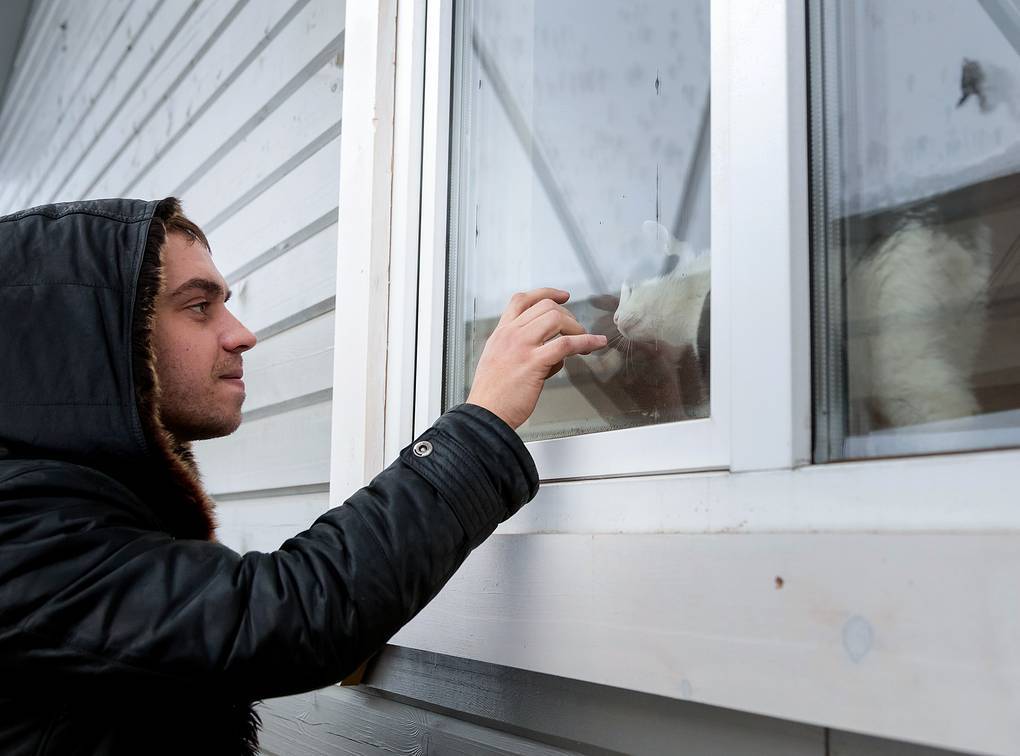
x=654, y=449
x=896, y=614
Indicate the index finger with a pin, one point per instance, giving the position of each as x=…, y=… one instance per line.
x=522, y=300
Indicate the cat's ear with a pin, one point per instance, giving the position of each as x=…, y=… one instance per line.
x=660, y=235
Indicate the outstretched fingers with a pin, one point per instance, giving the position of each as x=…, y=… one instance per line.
x=524, y=300
x=557, y=350
x=551, y=323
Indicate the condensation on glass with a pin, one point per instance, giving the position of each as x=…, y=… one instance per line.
x=580, y=160
x=915, y=109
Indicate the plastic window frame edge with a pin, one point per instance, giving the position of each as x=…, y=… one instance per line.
x=688, y=446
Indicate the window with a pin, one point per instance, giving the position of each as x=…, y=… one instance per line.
x=916, y=230
x=579, y=158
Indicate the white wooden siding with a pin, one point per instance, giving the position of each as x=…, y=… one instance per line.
x=235, y=107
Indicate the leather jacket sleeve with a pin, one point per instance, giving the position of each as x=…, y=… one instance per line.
x=89, y=593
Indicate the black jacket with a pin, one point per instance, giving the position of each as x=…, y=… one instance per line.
x=125, y=628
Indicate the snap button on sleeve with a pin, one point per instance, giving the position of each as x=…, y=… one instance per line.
x=422, y=449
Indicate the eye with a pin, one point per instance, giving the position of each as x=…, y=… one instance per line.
x=200, y=307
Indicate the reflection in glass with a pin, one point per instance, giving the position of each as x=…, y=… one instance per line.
x=916, y=189
x=579, y=160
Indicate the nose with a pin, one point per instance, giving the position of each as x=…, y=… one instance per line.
x=629, y=322
x=237, y=338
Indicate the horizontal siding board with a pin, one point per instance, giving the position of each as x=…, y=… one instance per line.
x=263, y=524
x=254, y=28
x=47, y=140
x=324, y=221
x=141, y=38
x=63, y=182
x=852, y=744
x=706, y=620
x=274, y=145
x=209, y=108
x=41, y=36
x=292, y=364
x=303, y=276
x=514, y=709
x=575, y=714
x=25, y=68
x=188, y=49
x=293, y=282
x=348, y=721
x=56, y=147
x=74, y=41
x=299, y=199
x=289, y=449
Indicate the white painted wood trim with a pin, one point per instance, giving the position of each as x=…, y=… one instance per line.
x=434, y=204
x=362, y=296
x=953, y=493
x=406, y=224
x=910, y=637
x=761, y=60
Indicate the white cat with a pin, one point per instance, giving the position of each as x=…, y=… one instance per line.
x=916, y=310
x=916, y=306
x=667, y=308
x=671, y=311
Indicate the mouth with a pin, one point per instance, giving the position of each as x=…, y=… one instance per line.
x=234, y=377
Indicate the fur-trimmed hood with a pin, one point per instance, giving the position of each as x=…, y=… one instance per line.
x=78, y=381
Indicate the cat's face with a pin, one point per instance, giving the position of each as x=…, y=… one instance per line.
x=663, y=309
x=637, y=315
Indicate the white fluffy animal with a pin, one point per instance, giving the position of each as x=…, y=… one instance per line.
x=671, y=312
x=916, y=315
x=915, y=306
x=666, y=308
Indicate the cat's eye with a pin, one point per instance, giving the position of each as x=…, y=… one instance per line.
x=579, y=157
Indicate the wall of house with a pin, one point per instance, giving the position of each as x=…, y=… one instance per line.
x=234, y=107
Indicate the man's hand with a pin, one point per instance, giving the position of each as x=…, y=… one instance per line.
x=534, y=336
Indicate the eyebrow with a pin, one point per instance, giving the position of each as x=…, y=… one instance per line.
x=211, y=288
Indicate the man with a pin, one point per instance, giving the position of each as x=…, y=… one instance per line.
x=124, y=627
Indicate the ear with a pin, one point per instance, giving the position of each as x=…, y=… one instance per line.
x=660, y=234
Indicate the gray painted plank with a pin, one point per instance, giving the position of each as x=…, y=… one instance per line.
x=567, y=714
x=350, y=721
x=852, y=744
x=15, y=21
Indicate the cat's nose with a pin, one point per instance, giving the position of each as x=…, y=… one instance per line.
x=616, y=318
x=628, y=323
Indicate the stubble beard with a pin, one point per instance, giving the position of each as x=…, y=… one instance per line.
x=187, y=419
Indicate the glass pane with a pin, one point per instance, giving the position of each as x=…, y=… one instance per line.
x=916, y=193
x=579, y=160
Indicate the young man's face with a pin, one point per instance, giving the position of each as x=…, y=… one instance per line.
x=198, y=345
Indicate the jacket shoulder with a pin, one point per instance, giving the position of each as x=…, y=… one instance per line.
x=32, y=489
